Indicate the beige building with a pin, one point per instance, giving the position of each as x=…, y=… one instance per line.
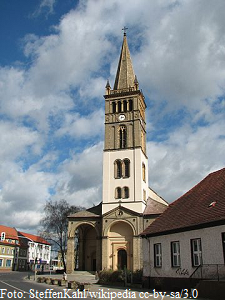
x=185, y=246
x=107, y=236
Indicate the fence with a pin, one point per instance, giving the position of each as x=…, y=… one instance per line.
x=209, y=272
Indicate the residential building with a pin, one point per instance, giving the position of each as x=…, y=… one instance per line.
x=20, y=250
x=9, y=243
x=186, y=244
x=107, y=236
x=39, y=249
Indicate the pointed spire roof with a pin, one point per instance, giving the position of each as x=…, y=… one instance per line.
x=125, y=74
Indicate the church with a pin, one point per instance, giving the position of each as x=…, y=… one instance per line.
x=107, y=236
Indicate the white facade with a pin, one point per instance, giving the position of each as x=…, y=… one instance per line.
x=40, y=251
x=212, y=252
x=135, y=182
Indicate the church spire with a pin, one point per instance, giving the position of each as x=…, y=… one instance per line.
x=125, y=74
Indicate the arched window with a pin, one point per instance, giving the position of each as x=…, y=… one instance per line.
x=125, y=192
x=114, y=107
x=130, y=105
x=143, y=172
x=122, y=137
x=125, y=106
x=126, y=170
x=118, y=193
x=117, y=169
x=119, y=106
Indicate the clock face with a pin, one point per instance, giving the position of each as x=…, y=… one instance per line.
x=121, y=117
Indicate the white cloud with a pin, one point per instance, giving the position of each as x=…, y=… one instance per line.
x=179, y=163
x=178, y=51
x=81, y=177
x=45, y=7
x=81, y=127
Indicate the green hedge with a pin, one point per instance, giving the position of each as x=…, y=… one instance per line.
x=107, y=276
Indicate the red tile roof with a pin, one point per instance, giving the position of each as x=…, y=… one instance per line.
x=10, y=233
x=34, y=238
x=202, y=205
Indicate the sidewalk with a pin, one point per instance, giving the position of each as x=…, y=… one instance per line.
x=98, y=291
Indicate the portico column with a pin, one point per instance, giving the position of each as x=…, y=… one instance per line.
x=70, y=255
x=98, y=254
x=104, y=253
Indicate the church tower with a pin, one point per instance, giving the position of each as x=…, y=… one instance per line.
x=125, y=163
x=107, y=236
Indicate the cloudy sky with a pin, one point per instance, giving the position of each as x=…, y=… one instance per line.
x=55, y=59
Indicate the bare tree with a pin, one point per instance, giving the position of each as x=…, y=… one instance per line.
x=55, y=224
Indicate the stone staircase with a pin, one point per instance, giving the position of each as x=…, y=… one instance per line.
x=82, y=277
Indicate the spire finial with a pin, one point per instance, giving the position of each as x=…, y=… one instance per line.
x=107, y=87
x=124, y=29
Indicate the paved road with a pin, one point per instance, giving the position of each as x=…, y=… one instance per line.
x=14, y=286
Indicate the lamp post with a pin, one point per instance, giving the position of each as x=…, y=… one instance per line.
x=35, y=269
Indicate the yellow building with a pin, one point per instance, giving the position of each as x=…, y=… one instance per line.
x=8, y=244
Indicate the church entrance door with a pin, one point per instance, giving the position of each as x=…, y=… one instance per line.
x=122, y=259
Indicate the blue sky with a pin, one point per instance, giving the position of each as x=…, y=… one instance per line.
x=55, y=59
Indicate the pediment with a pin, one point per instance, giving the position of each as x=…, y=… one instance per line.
x=121, y=211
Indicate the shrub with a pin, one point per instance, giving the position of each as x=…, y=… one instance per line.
x=117, y=276
x=104, y=276
x=137, y=276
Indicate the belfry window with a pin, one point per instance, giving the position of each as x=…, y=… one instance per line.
x=118, y=194
x=125, y=192
x=114, y=107
x=122, y=137
x=119, y=106
x=125, y=106
x=130, y=105
x=117, y=169
x=126, y=163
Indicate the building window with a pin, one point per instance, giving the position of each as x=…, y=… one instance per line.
x=8, y=263
x=2, y=236
x=119, y=106
x=118, y=169
x=122, y=137
x=175, y=254
x=126, y=163
x=196, y=250
x=12, y=251
x=7, y=250
x=125, y=192
x=143, y=172
x=130, y=105
x=121, y=168
x=114, y=107
x=3, y=250
x=1, y=262
x=158, y=255
x=118, y=193
x=125, y=106
x=223, y=243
